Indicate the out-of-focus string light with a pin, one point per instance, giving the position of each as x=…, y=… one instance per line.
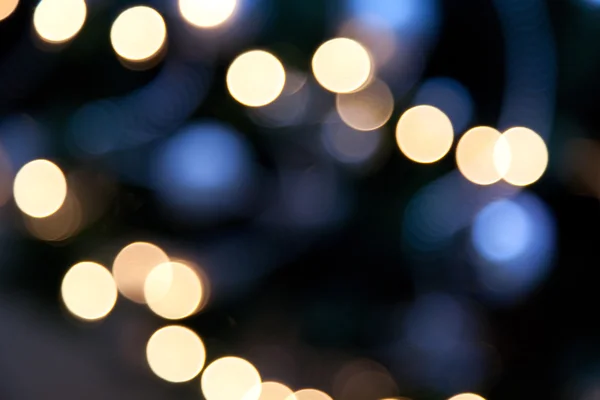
x=173, y=290
x=138, y=34
x=61, y=225
x=175, y=354
x=311, y=394
x=342, y=65
x=368, y=108
x=132, y=266
x=274, y=391
x=466, y=396
x=206, y=13
x=255, y=78
x=40, y=188
x=424, y=134
x=58, y=21
x=7, y=7
x=521, y=156
x=475, y=155
x=231, y=378
x=89, y=291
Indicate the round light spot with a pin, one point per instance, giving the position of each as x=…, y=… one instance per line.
x=175, y=354
x=255, y=78
x=424, y=134
x=466, y=396
x=367, y=109
x=273, y=391
x=58, y=21
x=89, y=291
x=521, y=156
x=206, y=13
x=40, y=188
x=475, y=155
x=61, y=225
x=173, y=290
x=7, y=7
x=132, y=266
x=138, y=34
x=231, y=378
x=311, y=394
x=342, y=65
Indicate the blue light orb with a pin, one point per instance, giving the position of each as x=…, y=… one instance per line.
x=502, y=231
x=451, y=97
x=207, y=168
x=405, y=16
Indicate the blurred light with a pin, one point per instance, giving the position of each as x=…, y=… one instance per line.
x=7, y=7
x=466, y=396
x=350, y=146
x=342, y=65
x=451, y=97
x=521, y=156
x=89, y=291
x=231, y=378
x=273, y=391
x=475, y=155
x=205, y=171
x=173, y=290
x=40, y=188
x=138, y=34
x=363, y=379
x=367, y=109
x=311, y=394
x=378, y=37
x=58, y=21
x=255, y=78
x=206, y=13
x=132, y=266
x=406, y=16
x=424, y=134
x=514, y=240
x=175, y=354
x=61, y=225
x=501, y=231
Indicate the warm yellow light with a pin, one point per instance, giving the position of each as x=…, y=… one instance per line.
x=58, y=21
x=342, y=65
x=231, y=378
x=367, y=109
x=466, y=396
x=59, y=226
x=424, y=134
x=132, y=266
x=475, y=155
x=521, y=156
x=206, y=13
x=173, y=290
x=274, y=391
x=255, y=78
x=7, y=7
x=175, y=354
x=311, y=394
x=89, y=291
x=138, y=34
x=40, y=188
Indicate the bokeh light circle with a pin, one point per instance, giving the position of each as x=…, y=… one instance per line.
x=89, y=291
x=521, y=156
x=58, y=21
x=310, y=394
x=40, y=188
x=368, y=108
x=7, y=7
x=132, y=266
x=475, y=155
x=342, y=65
x=138, y=34
x=206, y=13
x=175, y=354
x=424, y=134
x=466, y=396
x=273, y=391
x=255, y=78
x=231, y=378
x=173, y=290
